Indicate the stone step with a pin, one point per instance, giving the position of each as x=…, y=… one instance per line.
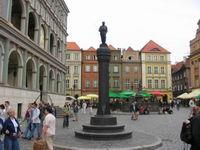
x=103, y=136
x=103, y=129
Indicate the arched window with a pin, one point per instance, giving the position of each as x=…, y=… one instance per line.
x=42, y=37
x=1, y=62
x=14, y=69
x=42, y=78
x=51, y=43
x=31, y=26
x=51, y=81
x=58, y=84
x=58, y=49
x=16, y=13
x=30, y=73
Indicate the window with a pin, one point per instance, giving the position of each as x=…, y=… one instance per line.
x=75, y=86
x=149, y=82
x=162, y=84
x=67, y=69
x=127, y=69
x=127, y=84
x=87, y=57
x=149, y=70
x=162, y=70
x=87, y=68
x=155, y=58
x=87, y=83
x=136, y=82
x=95, y=68
x=116, y=69
x=136, y=69
x=148, y=57
x=116, y=83
x=75, y=69
x=161, y=58
x=115, y=58
x=156, y=84
x=76, y=56
x=155, y=70
x=67, y=84
x=42, y=37
x=130, y=58
x=67, y=56
x=95, y=84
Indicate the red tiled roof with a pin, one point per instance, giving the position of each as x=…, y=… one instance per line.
x=72, y=46
x=111, y=47
x=177, y=66
x=91, y=49
x=152, y=47
x=130, y=49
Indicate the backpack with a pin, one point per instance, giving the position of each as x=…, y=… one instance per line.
x=186, y=132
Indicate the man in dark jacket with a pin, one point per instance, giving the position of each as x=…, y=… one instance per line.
x=195, y=129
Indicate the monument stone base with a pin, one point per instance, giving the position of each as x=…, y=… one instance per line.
x=103, y=127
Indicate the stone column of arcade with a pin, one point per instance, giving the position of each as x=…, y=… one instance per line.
x=103, y=126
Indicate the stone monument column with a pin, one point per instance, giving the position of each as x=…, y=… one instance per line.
x=103, y=55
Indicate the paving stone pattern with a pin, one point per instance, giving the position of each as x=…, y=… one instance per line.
x=166, y=127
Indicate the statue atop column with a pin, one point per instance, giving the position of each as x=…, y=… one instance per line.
x=103, y=30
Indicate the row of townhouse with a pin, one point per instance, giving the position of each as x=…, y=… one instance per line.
x=148, y=69
x=186, y=74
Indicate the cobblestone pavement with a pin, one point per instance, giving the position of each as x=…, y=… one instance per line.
x=166, y=127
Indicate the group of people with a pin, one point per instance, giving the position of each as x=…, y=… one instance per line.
x=38, y=118
x=74, y=109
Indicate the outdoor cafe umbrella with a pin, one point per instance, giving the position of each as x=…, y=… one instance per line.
x=157, y=93
x=128, y=93
x=183, y=96
x=84, y=98
x=95, y=96
x=113, y=94
x=145, y=94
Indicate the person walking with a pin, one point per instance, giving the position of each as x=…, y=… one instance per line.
x=66, y=111
x=75, y=110
x=135, y=110
x=11, y=129
x=84, y=107
x=49, y=127
x=35, y=121
x=27, y=118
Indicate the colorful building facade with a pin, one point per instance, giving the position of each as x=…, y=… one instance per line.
x=115, y=69
x=73, y=72
x=131, y=70
x=156, y=70
x=194, y=59
x=90, y=74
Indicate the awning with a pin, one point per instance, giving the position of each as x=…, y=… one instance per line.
x=128, y=93
x=183, y=96
x=194, y=93
x=113, y=94
x=145, y=94
x=157, y=93
x=93, y=95
x=84, y=98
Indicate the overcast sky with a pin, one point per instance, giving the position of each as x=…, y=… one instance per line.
x=170, y=23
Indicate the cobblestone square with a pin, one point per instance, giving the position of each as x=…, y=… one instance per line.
x=166, y=127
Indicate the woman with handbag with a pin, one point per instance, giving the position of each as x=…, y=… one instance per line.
x=66, y=111
x=11, y=129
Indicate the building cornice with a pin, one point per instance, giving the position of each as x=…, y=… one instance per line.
x=8, y=31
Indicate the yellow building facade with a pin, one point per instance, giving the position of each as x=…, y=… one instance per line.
x=194, y=60
x=156, y=70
